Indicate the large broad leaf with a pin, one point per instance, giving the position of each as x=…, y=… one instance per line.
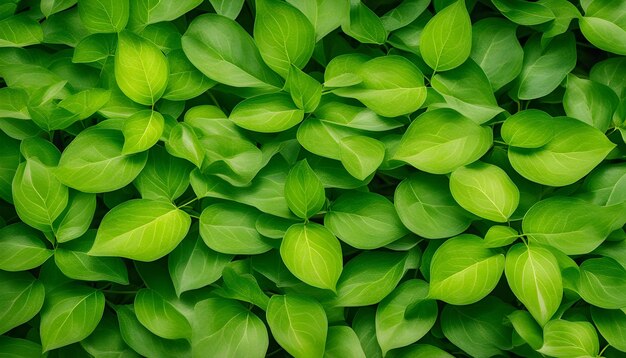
x=463, y=271
x=21, y=299
x=604, y=25
x=605, y=185
x=535, y=278
x=369, y=277
x=22, y=248
x=298, y=324
x=364, y=220
x=524, y=12
x=442, y=140
x=304, y=191
x=574, y=150
x=545, y=67
x=496, y=49
x=590, y=102
x=581, y=227
x=225, y=328
x=141, y=229
x=485, y=190
x=69, y=315
x=313, y=254
x=159, y=315
x=104, y=15
x=208, y=45
x=426, y=207
x=361, y=155
x=325, y=15
x=608, y=72
x=563, y=338
x=363, y=24
x=284, y=35
x=141, y=131
x=391, y=86
x=228, y=8
x=446, y=40
x=602, y=282
x=612, y=326
x=267, y=113
x=405, y=316
x=529, y=128
x=342, y=341
x=20, y=31
x=141, y=69
x=102, y=170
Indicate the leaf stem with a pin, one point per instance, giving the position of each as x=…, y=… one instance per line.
x=188, y=202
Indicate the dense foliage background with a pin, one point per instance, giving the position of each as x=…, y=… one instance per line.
x=230, y=178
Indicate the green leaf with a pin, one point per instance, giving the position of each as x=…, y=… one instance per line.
x=605, y=185
x=183, y=143
x=426, y=207
x=496, y=49
x=524, y=12
x=18, y=347
x=443, y=140
x=69, y=315
x=342, y=71
x=590, y=102
x=463, y=271
x=346, y=114
x=602, y=282
x=284, y=35
x=391, y=86
x=72, y=259
x=21, y=299
x=22, y=248
x=141, y=131
x=572, y=153
x=499, y=236
x=14, y=103
x=20, y=31
x=164, y=177
x=607, y=73
x=404, y=14
x=478, y=329
x=242, y=286
x=146, y=12
x=76, y=218
x=544, y=68
x=141, y=69
x=228, y=8
x=313, y=254
x=207, y=45
x=304, y=191
x=467, y=90
x=141, y=229
x=184, y=81
x=268, y=113
x=342, y=342
x=361, y=155
x=299, y=324
x=364, y=25
x=419, y=351
x=604, y=34
x=369, y=277
x=485, y=190
x=230, y=228
x=531, y=128
x=364, y=220
x=104, y=15
x=305, y=90
x=405, y=316
x=572, y=339
x=527, y=328
x=106, y=339
x=535, y=278
x=39, y=197
x=9, y=162
x=104, y=170
x=612, y=326
x=364, y=325
x=225, y=328
x=86, y=103
x=325, y=15
x=50, y=7
x=447, y=38
x=160, y=316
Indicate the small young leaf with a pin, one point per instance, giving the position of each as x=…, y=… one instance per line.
x=602, y=282
x=104, y=15
x=22, y=248
x=572, y=339
x=361, y=155
x=267, y=113
x=304, y=191
x=160, y=316
x=141, y=131
x=364, y=25
x=22, y=298
x=305, y=91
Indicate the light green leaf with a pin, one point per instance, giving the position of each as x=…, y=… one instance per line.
x=325, y=15
x=183, y=143
x=185, y=81
x=141, y=131
x=405, y=316
x=446, y=40
x=344, y=113
x=22, y=248
x=524, y=12
x=602, y=282
x=485, y=190
x=369, y=277
x=160, y=316
x=106, y=340
x=20, y=31
x=21, y=299
x=590, y=102
x=604, y=34
x=608, y=72
x=531, y=128
x=104, y=15
x=612, y=326
x=563, y=338
x=104, y=170
x=442, y=140
x=527, y=328
x=361, y=155
x=86, y=103
x=391, y=86
x=535, y=278
x=364, y=220
x=364, y=25
x=313, y=254
x=242, y=286
x=426, y=207
x=322, y=137
x=299, y=324
x=605, y=185
x=230, y=228
x=50, y=7
x=228, y=8
x=146, y=12
x=224, y=328
x=207, y=44
x=141, y=229
x=364, y=325
x=342, y=342
x=69, y=315
x=283, y=34
x=164, y=176
x=14, y=103
x=19, y=348
x=305, y=90
x=342, y=71
x=141, y=69
x=268, y=113
x=304, y=191
x=404, y=14
x=499, y=236
x=463, y=271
